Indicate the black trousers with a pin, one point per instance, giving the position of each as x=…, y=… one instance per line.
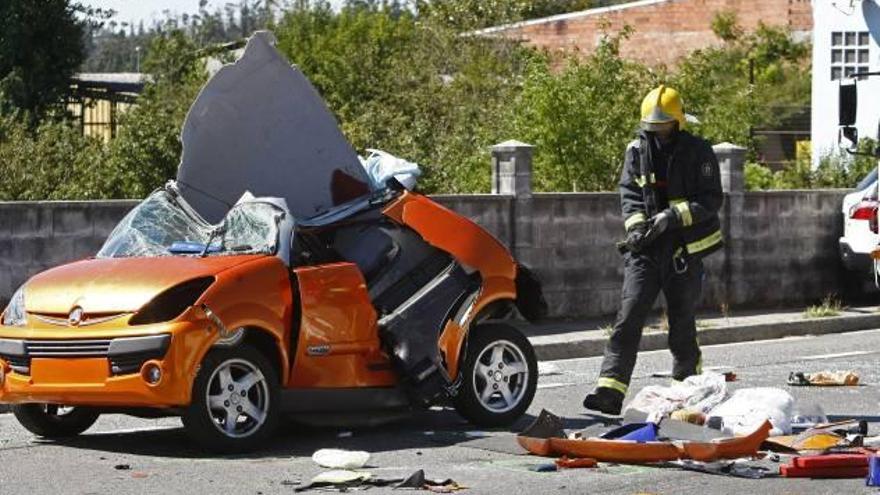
x=645, y=275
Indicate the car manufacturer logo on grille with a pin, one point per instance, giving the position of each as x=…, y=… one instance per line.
x=77, y=315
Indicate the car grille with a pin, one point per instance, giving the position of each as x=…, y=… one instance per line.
x=67, y=348
x=120, y=363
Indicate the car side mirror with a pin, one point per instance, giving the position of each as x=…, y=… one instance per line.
x=848, y=100
x=849, y=138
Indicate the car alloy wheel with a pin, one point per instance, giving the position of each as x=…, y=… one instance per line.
x=238, y=398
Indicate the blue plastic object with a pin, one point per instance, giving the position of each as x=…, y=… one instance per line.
x=873, y=478
x=637, y=432
x=183, y=247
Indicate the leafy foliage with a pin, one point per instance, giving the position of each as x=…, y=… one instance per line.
x=409, y=81
x=746, y=83
x=414, y=88
x=581, y=118
x=40, y=48
x=834, y=171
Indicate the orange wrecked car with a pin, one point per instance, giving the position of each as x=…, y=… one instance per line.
x=278, y=275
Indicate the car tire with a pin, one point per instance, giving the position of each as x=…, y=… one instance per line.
x=499, y=376
x=54, y=421
x=238, y=382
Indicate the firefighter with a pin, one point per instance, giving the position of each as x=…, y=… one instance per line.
x=670, y=194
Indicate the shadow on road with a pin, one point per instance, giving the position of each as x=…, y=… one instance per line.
x=427, y=429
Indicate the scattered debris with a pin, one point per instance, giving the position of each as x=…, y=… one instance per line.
x=548, y=369
x=736, y=469
x=122, y=467
x=748, y=408
x=341, y=459
x=636, y=432
x=565, y=462
x=823, y=379
x=808, y=441
x=344, y=480
x=419, y=481
x=689, y=416
x=139, y=475
x=546, y=425
x=827, y=466
x=695, y=393
x=873, y=478
x=345, y=434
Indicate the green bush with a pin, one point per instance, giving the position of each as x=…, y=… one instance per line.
x=835, y=170
x=580, y=118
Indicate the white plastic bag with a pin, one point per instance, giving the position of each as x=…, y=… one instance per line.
x=382, y=166
x=748, y=408
x=698, y=392
x=341, y=459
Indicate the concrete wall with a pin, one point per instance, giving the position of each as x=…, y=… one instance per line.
x=35, y=236
x=781, y=246
x=663, y=30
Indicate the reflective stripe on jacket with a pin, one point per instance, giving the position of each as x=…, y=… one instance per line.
x=693, y=186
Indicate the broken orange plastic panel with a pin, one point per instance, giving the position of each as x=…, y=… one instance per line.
x=626, y=451
x=575, y=462
x=471, y=246
x=338, y=344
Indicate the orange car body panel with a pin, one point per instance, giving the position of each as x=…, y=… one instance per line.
x=338, y=344
x=249, y=291
x=116, y=285
x=472, y=246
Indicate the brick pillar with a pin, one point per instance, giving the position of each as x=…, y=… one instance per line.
x=512, y=176
x=732, y=159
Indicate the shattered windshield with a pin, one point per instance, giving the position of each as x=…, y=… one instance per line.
x=162, y=226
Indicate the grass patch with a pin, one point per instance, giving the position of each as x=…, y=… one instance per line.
x=830, y=306
x=607, y=330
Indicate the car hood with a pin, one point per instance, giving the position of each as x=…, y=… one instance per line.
x=117, y=285
x=259, y=125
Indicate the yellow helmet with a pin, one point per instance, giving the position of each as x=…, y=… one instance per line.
x=661, y=106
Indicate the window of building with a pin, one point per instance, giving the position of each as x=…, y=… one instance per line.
x=849, y=53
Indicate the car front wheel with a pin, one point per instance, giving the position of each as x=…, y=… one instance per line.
x=234, y=402
x=54, y=421
x=499, y=376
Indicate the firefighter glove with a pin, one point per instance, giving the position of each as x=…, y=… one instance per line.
x=636, y=236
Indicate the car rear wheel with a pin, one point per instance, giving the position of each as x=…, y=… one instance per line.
x=234, y=401
x=499, y=376
x=54, y=421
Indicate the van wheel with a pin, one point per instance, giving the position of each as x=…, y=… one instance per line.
x=235, y=400
x=499, y=376
x=54, y=421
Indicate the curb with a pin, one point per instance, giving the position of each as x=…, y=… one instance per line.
x=551, y=347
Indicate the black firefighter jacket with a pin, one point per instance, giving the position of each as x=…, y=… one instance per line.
x=693, y=186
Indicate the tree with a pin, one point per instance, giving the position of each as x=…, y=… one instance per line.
x=750, y=81
x=41, y=46
x=581, y=118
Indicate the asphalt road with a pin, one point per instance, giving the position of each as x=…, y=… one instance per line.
x=160, y=459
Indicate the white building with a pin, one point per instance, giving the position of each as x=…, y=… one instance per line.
x=846, y=40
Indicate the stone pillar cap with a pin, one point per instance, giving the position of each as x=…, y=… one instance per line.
x=728, y=146
x=511, y=145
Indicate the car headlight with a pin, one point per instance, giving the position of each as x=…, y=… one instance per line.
x=14, y=316
x=171, y=303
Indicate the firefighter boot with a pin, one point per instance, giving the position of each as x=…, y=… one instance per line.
x=605, y=400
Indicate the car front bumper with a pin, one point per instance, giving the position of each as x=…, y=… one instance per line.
x=103, y=371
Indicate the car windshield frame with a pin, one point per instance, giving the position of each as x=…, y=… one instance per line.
x=165, y=225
